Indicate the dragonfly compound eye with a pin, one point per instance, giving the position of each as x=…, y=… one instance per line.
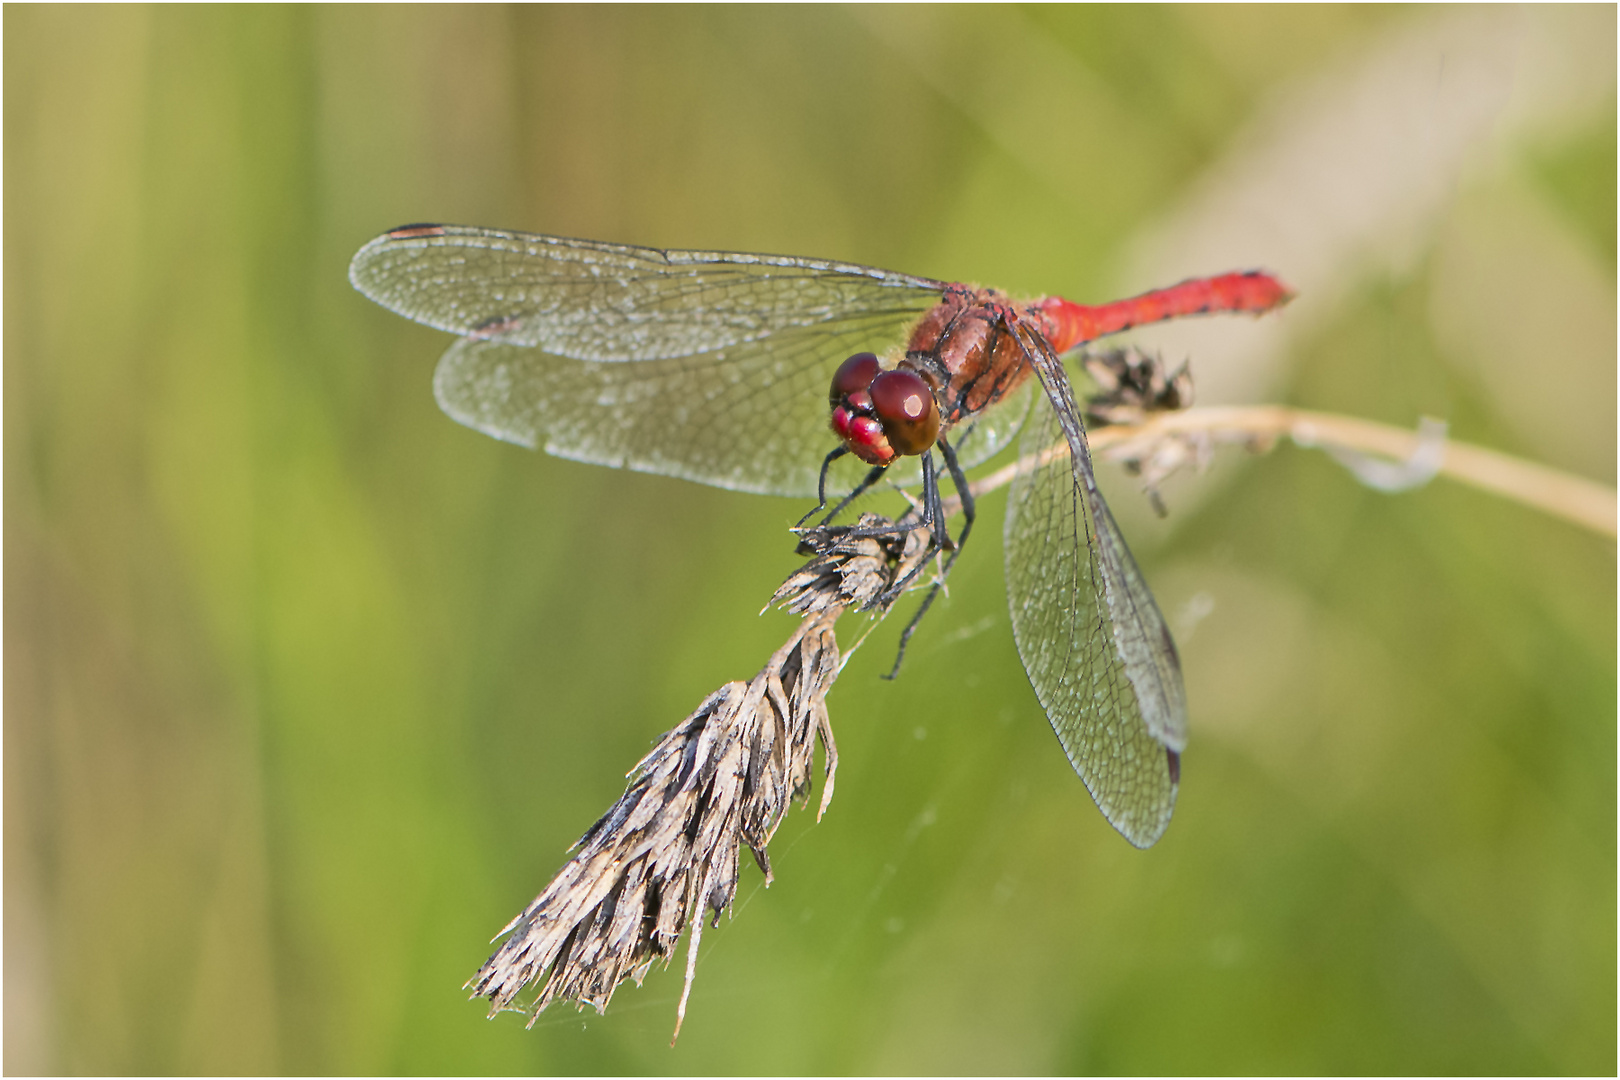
x=854, y=420
x=854, y=376
x=905, y=405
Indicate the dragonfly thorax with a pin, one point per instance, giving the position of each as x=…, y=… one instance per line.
x=965, y=346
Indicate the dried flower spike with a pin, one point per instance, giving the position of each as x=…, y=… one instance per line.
x=667, y=854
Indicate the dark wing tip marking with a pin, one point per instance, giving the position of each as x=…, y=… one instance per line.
x=411, y=232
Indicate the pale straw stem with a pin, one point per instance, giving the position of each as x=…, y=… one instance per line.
x=1573, y=498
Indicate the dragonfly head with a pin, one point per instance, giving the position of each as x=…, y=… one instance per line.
x=881, y=415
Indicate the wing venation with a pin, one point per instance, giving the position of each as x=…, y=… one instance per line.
x=1092, y=640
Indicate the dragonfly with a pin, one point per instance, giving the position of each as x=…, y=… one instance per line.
x=778, y=375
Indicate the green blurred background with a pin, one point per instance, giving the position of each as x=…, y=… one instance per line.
x=308, y=688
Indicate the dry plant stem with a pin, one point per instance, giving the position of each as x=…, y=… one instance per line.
x=1583, y=502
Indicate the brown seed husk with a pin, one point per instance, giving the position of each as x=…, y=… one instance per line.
x=667, y=854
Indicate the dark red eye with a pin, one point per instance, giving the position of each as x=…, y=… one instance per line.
x=905, y=404
x=853, y=376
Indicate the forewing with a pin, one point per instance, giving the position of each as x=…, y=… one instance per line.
x=587, y=300
x=1092, y=640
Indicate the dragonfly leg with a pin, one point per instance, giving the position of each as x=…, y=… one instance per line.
x=970, y=511
x=825, y=530
x=932, y=519
x=969, y=514
x=930, y=515
x=821, y=486
x=868, y=481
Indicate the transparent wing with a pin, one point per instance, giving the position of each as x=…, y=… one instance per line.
x=1092, y=640
x=730, y=355
x=749, y=418
x=587, y=300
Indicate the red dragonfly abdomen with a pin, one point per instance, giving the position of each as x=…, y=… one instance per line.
x=1071, y=324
